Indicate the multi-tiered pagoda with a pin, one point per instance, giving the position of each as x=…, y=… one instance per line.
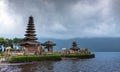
x=74, y=48
x=31, y=46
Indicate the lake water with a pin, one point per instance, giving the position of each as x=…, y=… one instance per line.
x=103, y=62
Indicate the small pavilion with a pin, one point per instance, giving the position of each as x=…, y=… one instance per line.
x=74, y=48
x=49, y=45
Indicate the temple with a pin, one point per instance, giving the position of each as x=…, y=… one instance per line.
x=49, y=45
x=74, y=48
x=31, y=46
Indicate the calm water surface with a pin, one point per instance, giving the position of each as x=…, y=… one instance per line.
x=104, y=62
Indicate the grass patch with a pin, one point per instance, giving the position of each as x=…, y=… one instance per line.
x=33, y=58
x=80, y=56
x=0, y=57
x=20, y=59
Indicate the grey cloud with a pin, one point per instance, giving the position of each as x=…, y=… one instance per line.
x=116, y=13
x=75, y=22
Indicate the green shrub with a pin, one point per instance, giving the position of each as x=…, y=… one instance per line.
x=0, y=57
x=34, y=58
x=47, y=57
x=2, y=54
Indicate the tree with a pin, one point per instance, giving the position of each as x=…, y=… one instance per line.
x=9, y=42
x=16, y=42
x=3, y=43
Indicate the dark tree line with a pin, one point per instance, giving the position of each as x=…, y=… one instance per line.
x=13, y=43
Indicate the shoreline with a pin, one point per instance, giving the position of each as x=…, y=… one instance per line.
x=25, y=59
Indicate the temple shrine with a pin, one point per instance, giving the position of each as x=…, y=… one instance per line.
x=74, y=48
x=49, y=45
x=29, y=43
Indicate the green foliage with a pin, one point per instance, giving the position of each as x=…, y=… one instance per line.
x=1, y=55
x=5, y=42
x=80, y=55
x=34, y=58
x=17, y=40
x=47, y=57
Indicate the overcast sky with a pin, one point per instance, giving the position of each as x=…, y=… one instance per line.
x=61, y=19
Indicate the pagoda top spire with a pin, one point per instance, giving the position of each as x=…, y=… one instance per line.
x=30, y=31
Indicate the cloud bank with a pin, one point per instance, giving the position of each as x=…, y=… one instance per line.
x=61, y=19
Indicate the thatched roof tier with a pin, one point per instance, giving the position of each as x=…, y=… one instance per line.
x=30, y=38
x=49, y=43
x=25, y=43
x=29, y=34
x=30, y=31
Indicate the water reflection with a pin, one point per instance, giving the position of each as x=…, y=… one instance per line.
x=8, y=68
x=110, y=62
x=43, y=66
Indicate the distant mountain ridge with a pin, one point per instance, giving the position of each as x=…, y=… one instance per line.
x=94, y=44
